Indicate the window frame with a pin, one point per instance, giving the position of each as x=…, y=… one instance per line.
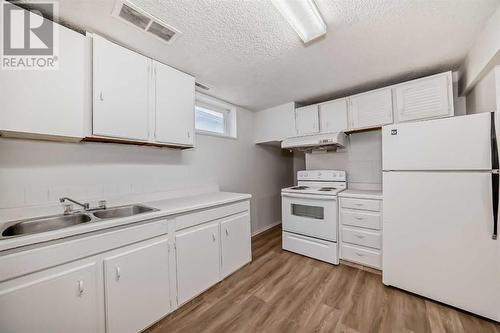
x=216, y=105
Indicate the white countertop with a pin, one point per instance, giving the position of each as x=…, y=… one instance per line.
x=167, y=207
x=361, y=194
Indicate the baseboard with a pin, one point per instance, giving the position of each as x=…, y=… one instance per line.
x=267, y=227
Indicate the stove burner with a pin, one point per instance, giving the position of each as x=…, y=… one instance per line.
x=327, y=189
x=299, y=188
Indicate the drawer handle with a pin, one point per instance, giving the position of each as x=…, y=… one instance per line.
x=359, y=236
x=359, y=205
x=360, y=254
x=118, y=273
x=80, y=288
x=359, y=218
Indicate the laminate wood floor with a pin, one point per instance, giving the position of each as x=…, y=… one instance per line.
x=285, y=292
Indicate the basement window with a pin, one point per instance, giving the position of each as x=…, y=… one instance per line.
x=214, y=117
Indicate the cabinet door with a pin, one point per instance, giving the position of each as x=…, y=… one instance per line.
x=62, y=299
x=333, y=116
x=429, y=97
x=121, y=79
x=198, y=260
x=307, y=120
x=137, y=287
x=174, y=91
x=371, y=109
x=235, y=239
x=48, y=102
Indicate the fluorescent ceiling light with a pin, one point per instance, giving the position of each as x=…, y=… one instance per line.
x=303, y=16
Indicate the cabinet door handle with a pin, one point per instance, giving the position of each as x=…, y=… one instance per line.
x=213, y=237
x=80, y=288
x=101, y=98
x=189, y=135
x=118, y=273
x=227, y=232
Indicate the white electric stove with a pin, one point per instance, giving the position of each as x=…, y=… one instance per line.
x=310, y=214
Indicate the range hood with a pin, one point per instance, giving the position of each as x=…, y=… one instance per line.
x=327, y=141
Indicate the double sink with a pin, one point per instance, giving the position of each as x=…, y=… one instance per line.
x=55, y=222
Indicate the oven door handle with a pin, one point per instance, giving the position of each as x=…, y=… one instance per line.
x=309, y=196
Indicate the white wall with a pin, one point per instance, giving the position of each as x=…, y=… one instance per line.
x=38, y=172
x=483, y=97
x=484, y=54
x=362, y=160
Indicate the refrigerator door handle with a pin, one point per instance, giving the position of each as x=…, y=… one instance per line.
x=494, y=176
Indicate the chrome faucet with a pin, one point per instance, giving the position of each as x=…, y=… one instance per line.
x=67, y=207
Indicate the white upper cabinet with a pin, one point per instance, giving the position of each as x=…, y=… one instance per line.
x=121, y=92
x=425, y=98
x=371, y=109
x=274, y=124
x=139, y=99
x=307, y=120
x=62, y=299
x=235, y=239
x=174, y=95
x=198, y=266
x=137, y=287
x=48, y=104
x=333, y=116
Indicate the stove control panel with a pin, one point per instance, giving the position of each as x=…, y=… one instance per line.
x=322, y=175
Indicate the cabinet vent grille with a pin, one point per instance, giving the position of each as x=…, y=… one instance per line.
x=131, y=14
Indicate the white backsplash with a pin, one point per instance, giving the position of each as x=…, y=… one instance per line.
x=362, y=160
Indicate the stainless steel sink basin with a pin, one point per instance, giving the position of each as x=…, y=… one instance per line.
x=123, y=211
x=55, y=222
x=37, y=225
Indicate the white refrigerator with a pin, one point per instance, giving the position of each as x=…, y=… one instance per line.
x=440, y=185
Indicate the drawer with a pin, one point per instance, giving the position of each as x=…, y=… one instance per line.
x=366, y=257
x=364, y=204
x=311, y=247
x=210, y=214
x=360, y=219
x=362, y=237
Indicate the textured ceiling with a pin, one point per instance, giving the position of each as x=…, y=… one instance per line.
x=248, y=55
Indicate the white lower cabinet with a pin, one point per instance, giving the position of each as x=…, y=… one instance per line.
x=136, y=282
x=57, y=300
x=129, y=279
x=235, y=243
x=197, y=253
x=361, y=255
x=361, y=231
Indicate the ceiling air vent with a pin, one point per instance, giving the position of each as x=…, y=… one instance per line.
x=149, y=24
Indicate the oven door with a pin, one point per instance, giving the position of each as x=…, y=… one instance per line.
x=310, y=215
